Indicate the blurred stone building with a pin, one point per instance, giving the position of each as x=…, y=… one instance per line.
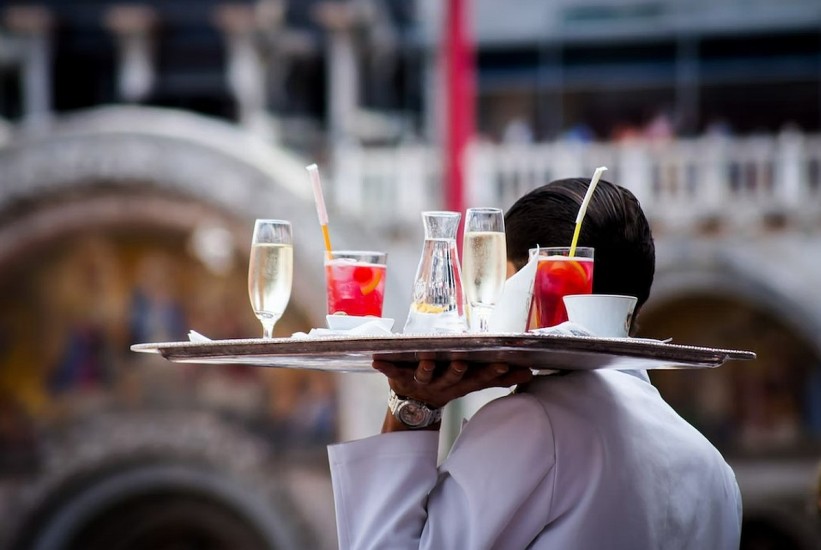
x=139, y=141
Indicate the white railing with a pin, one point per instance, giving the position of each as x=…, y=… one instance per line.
x=682, y=184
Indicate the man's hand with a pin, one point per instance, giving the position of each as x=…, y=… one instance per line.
x=437, y=386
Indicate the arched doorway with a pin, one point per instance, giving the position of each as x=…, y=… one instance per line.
x=763, y=416
x=132, y=225
x=771, y=404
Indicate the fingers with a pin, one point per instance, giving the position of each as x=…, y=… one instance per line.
x=424, y=372
x=454, y=373
x=514, y=377
x=500, y=375
x=437, y=386
x=489, y=372
x=389, y=368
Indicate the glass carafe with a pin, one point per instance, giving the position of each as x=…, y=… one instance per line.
x=438, y=301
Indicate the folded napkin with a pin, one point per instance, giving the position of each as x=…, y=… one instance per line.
x=564, y=329
x=196, y=337
x=366, y=329
x=569, y=328
x=370, y=328
x=513, y=307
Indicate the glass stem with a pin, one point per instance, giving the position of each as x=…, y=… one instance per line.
x=268, y=329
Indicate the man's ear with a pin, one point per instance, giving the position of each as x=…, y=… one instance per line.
x=511, y=269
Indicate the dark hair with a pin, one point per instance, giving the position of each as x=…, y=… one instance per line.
x=614, y=225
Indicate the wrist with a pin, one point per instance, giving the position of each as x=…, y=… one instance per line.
x=392, y=424
x=411, y=414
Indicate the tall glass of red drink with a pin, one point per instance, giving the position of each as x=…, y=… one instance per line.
x=558, y=275
x=356, y=282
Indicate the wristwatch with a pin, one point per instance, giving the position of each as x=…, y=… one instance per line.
x=413, y=413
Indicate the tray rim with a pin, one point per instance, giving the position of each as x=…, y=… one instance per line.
x=312, y=351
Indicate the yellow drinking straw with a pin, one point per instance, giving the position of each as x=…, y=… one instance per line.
x=321, y=212
x=583, y=208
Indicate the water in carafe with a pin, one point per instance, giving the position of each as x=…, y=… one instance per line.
x=438, y=300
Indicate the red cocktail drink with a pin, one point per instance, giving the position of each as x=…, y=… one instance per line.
x=356, y=283
x=558, y=275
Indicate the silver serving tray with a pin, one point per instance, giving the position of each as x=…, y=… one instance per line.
x=538, y=352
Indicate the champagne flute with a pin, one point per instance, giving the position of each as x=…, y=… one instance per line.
x=270, y=272
x=484, y=263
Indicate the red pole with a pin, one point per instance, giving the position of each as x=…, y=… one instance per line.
x=460, y=86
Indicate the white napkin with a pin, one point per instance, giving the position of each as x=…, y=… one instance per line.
x=371, y=328
x=564, y=329
x=510, y=313
x=569, y=328
x=365, y=329
x=195, y=337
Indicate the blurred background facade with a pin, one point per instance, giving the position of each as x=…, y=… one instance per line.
x=139, y=141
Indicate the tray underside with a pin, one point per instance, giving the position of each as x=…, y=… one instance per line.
x=538, y=352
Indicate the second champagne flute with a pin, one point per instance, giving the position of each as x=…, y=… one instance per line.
x=484, y=262
x=270, y=272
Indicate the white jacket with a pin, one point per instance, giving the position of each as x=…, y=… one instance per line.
x=584, y=460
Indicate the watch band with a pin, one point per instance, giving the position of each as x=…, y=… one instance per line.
x=412, y=412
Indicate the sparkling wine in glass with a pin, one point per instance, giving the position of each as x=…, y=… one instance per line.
x=484, y=262
x=270, y=272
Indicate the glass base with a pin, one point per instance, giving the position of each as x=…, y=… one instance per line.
x=449, y=322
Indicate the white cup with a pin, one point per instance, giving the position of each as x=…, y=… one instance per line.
x=605, y=315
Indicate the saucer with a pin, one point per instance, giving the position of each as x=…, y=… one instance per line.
x=349, y=322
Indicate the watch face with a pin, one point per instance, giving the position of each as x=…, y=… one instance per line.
x=412, y=415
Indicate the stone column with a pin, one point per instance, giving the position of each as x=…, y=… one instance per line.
x=245, y=71
x=434, y=92
x=33, y=26
x=284, y=47
x=341, y=20
x=270, y=15
x=132, y=26
x=687, y=85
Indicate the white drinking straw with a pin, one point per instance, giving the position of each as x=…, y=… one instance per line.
x=321, y=212
x=583, y=208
